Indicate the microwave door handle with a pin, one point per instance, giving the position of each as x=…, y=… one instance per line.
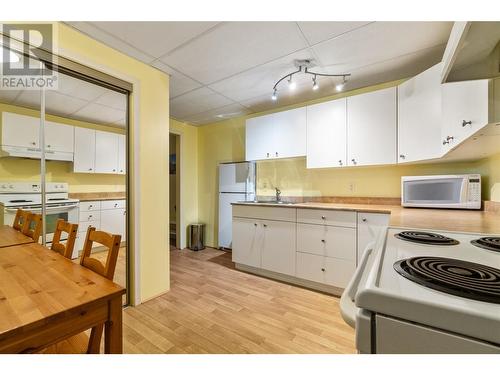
x=464, y=196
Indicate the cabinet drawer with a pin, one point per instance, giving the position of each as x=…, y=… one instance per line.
x=337, y=242
x=327, y=217
x=112, y=204
x=90, y=206
x=83, y=225
x=325, y=270
x=265, y=213
x=91, y=216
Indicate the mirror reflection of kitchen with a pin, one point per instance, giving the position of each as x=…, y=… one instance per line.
x=85, y=143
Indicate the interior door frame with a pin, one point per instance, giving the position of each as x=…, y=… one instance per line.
x=180, y=240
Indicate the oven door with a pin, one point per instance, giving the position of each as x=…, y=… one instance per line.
x=449, y=192
x=67, y=212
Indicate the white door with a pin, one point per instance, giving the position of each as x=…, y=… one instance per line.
x=327, y=134
x=369, y=226
x=113, y=221
x=84, y=157
x=371, y=128
x=59, y=137
x=289, y=133
x=278, y=246
x=122, y=150
x=465, y=110
x=259, y=137
x=420, y=116
x=226, y=217
x=247, y=241
x=20, y=131
x=338, y=272
x=311, y=267
x=106, y=152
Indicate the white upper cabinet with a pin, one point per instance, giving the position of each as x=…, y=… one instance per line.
x=465, y=110
x=20, y=131
x=371, y=128
x=420, y=116
x=122, y=150
x=327, y=134
x=84, y=157
x=59, y=138
x=278, y=135
x=106, y=152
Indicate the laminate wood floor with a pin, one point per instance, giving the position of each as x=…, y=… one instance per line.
x=213, y=308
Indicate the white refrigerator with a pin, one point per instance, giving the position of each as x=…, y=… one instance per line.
x=236, y=184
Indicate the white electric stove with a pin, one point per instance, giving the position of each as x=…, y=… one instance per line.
x=440, y=294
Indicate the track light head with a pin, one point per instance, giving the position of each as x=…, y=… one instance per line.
x=291, y=84
x=315, y=84
x=274, y=97
x=340, y=86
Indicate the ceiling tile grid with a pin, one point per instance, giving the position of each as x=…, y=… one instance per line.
x=221, y=70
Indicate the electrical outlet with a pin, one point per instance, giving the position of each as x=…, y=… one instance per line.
x=352, y=187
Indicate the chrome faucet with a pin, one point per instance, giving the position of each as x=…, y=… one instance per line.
x=278, y=194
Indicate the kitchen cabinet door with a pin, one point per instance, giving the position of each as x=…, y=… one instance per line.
x=371, y=128
x=59, y=137
x=289, y=133
x=113, y=221
x=106, y=152
x=338, y=272
x=247, y=241
x=84, y=157
x=465, y=111
x=278, y=246
x=122, y=151
x=420, y=116
x=20, y=131
x=259, y=137
x=369, y=226
x=327, y=134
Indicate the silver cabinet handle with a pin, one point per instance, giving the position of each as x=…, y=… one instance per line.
x=268, y=154
x=340, y=162
x=324, y=241
x=402, y=156
x=354, y=161
x=264, y=225
x=322, y=270
x=276, y=154
x=90, y=169
x=364, y=220
x=33, y=143
x=254, y=224
x=116, y=204
x=448, y=139
x=465, y=123
x=323, y=217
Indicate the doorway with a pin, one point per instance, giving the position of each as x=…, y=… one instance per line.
x=174, y=190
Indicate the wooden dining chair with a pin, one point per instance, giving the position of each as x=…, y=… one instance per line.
x=73, y=345
x=32, y=226
x=20, y=219
x=71, y=229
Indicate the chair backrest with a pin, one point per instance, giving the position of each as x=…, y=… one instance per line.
x=20, y=219
x=35, y=221
x=111, y=241
x=71, y=229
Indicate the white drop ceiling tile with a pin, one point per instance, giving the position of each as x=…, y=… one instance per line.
x=113, y=99
x=316, y=31
x=260, y=80
x=196, y=101
x=218, y=114
x=234, y=47
x=60, y=104
x=29, y=99
x=179, y=83
x=155, y=38
x=98, y=114
x=7, y=96
x=378, y=42
x=112, y=41
x=78, y=88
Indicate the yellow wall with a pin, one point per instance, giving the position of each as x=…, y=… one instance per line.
x=150, y=143
x=225, y=141
x=17, y=169
x=188, y=169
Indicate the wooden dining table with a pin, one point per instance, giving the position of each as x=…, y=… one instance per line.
x=45, y=298
x=11, y=237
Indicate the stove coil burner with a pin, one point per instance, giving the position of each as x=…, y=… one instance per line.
x=453, y=276
x=488, y=243
x=426, y=238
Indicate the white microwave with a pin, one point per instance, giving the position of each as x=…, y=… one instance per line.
x=446, y=191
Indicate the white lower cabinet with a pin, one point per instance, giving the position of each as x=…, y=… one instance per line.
x=247, y=242
x=369, y=226
x=278, y=246
x=326, y=240
x=325, y=270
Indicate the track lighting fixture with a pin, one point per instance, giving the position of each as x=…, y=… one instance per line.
x=304, y=66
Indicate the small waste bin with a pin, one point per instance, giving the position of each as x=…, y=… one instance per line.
x=197, y=236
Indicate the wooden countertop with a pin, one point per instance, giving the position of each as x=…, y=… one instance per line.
x=103, y=196
x=420, y=218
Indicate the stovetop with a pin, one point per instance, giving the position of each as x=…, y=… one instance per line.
x=388, y=292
